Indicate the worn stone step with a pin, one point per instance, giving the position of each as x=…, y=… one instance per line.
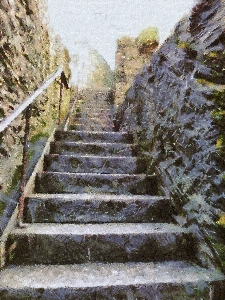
x=100, y=118
x=76, y=183
x=110, y=242
x=96, y=148
x=98, y=114
x=88, y=126
x=93, y=136
x=90, y=164
x=130, y=281
x=97, y=208
x=100, y=107
x=92, y=120
x=92, y=113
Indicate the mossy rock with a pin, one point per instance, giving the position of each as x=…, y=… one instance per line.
x=148, y=35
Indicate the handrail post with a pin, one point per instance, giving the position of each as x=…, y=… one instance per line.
x=60, y=98
x=24, y=162
x=63, y=83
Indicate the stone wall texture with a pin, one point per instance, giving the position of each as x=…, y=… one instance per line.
x=28, y=55
x=175, y=109
x=129, y=61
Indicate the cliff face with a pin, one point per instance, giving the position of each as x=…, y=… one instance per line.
x=28, y=55
x=175, y=108
x=24, y=48
x=131, y=55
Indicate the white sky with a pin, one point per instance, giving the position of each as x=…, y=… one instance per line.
x=99, y=23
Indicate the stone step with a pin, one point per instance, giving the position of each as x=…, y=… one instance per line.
x=97, y=111
x=93, y=136
x=97, y=208
x=76, y=183
x=84, y=119
x=72, y=243
x=92, y=120
x=90, y=164
x=130, y=281
x=88, y=126
x=96, y=148
x=90, y=115
x=98, y=107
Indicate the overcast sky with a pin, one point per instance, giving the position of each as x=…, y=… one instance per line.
x=101, y=22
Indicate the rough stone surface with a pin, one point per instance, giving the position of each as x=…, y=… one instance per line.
x=70, y=243
x=129, y=61
x=170, y=280
x=90, y=164
x=103, y=148
x=95, y=111
x=59, y=182
x=97, y=208
x=130, y=244
x=28, y=55
x=175, y=108
x=93, y=136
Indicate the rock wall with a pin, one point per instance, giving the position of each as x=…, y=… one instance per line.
x=28, y=55
x=130, y=59
x=175, y=108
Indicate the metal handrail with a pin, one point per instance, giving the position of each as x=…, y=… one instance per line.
x=26, y=107
x=6, y=122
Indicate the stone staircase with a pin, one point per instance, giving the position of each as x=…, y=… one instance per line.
x=96, y=229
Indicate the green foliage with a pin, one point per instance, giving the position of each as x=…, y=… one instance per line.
x=221, y=250
x=219, y=98
x=38, y=136
x=15, y=178
x=148, y=36
x=2, y=114
x=11, y=256
x=2, y=207
x=218, y=114
x=184, y=45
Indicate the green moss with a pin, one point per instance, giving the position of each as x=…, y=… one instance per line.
x=54, y=116
x=11, y=256
x=205, y=82
x=221, y=250
x=183, y=45
x=145, y=145
x=38, y=136
x=212, y=54
x=148, y=36
x=2, y=114
x=220, y=143
x=15, y=179
x=218, y=115
x=2, y=207
x=218, y=97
